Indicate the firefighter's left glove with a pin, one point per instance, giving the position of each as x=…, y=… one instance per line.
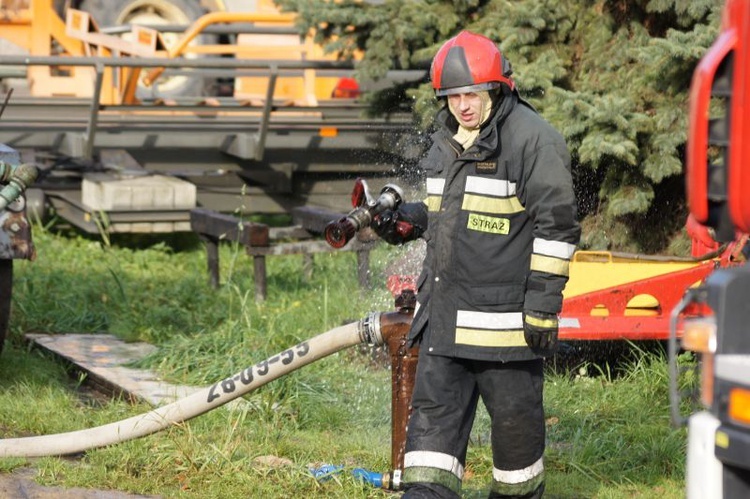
x=540, y=331
x=402, y=225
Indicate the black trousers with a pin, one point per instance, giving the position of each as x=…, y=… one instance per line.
x=444, y=403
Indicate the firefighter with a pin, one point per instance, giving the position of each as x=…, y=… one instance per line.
x=500, y=226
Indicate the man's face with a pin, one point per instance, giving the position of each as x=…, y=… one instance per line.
x=467, y=108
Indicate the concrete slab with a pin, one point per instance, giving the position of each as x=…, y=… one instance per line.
x=104, y=357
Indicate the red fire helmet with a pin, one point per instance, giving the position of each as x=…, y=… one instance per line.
x=469, y=62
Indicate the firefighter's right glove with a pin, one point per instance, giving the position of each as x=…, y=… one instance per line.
x=540, y=331
x=402, y=225
x=391, y=228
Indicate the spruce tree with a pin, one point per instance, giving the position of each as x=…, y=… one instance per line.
x=613, y=76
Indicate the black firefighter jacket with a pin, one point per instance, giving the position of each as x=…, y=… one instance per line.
x=501, y=231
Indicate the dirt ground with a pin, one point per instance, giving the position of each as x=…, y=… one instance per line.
x=21, y=485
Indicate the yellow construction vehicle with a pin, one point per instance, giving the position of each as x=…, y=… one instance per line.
x=249, y=30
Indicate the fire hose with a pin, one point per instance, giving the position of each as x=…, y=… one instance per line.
x=375, y=329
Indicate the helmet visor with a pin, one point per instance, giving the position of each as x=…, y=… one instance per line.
x=467, y=89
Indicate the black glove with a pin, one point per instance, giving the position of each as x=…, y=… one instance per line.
x=389, y=226
x=400, y=226
x=540, y=331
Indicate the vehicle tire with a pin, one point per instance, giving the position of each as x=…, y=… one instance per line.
x=108, y=13
x=6, y=288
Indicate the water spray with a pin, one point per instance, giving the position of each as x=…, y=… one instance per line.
x=341, y=231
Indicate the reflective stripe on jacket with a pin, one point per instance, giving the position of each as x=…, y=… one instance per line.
x=502, y=229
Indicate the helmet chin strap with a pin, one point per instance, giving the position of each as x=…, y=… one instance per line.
x=466, y=136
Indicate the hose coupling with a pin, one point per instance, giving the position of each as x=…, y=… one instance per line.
x=369, y=330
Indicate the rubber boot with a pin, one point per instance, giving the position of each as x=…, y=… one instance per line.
x=423, y=490
x=536, y=494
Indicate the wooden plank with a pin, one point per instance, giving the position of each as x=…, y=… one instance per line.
x=212, y=251
x=228, y=228
x=314, y=219
x=259, y=273
x=294, y=232
x=105, y=359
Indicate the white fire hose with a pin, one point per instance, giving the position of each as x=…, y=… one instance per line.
x=367, y=330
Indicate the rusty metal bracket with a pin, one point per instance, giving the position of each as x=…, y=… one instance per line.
x=15, y=229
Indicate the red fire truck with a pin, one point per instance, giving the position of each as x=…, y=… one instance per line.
x=714, y=317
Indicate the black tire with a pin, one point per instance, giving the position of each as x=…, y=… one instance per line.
x=108, y=13
x=6, y=289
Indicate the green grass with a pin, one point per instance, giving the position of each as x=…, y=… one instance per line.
x=609, y=435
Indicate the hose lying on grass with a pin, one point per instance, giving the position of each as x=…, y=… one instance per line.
x=368, y=330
